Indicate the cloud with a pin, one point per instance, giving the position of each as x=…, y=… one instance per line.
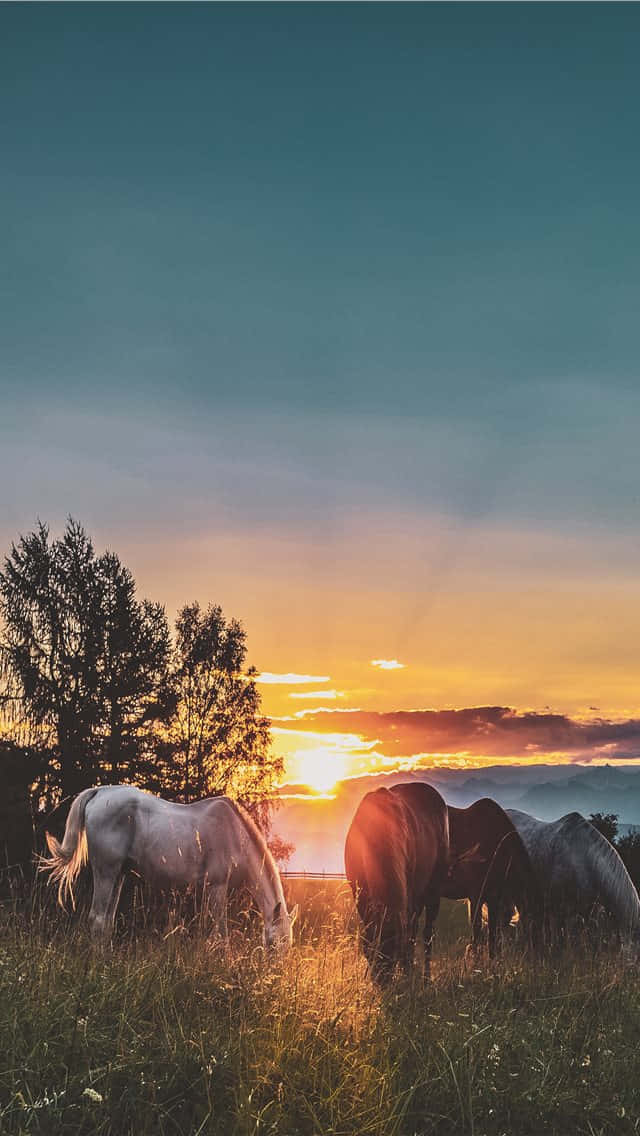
x=290, y=679
x=483, y=731
x=388, y=664
x=330, y=694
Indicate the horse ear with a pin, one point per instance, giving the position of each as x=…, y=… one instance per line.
x=293, y=915
x=277, y=909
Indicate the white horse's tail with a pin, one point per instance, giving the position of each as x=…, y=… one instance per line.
x=67, y=859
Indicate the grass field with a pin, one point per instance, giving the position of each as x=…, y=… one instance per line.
x=168, y=1033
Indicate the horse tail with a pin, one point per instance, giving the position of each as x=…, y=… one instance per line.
x=66, y=859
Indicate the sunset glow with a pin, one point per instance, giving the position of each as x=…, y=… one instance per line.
x=321, y=768
x=326, y=744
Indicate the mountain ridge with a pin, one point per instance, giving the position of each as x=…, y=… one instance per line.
x=317, y=825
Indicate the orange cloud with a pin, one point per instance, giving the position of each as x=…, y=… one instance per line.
x=330, y=694
x=290, y=679
x=480, y=732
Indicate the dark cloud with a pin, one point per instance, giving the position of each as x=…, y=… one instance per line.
x=483, y=731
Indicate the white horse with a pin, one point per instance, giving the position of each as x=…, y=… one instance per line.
x=213, y=844
x=579, y=870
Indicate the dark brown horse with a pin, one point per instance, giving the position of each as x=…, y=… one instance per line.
x=489, y=865
x=396, y=858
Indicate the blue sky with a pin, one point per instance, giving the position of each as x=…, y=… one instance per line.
x=339, y=299
x=415, y=209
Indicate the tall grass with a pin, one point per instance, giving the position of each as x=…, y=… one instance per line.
x=166, y=1032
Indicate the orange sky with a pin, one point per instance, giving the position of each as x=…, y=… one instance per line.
x=481, y=616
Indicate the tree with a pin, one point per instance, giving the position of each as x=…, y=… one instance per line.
x=218, y=740
x=133, y=658
x=607, y=824
x=629, y=849
x=84, y=662
x=93, y=684
x=19, y=769
x=281, y=850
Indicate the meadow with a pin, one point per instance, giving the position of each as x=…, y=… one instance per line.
x=169, y=1033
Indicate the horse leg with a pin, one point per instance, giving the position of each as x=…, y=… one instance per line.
x=431, y=910
x=409, y=947
x=107, y=886
x=494, y=915
x=218, y=900
x=477, y=930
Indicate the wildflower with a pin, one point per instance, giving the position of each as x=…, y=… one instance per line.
x=45, y=1100
x=93, y=1095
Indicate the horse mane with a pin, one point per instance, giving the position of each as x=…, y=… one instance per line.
x=619, y=890
x=259, y=839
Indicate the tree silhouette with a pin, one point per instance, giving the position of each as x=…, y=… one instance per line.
x=218, y=740
x=97, y=691
x=133, y=657
x=83, y=661
x=629, y=849
x=607, y=824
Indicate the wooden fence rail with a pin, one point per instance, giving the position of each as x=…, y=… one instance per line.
x=313, y=875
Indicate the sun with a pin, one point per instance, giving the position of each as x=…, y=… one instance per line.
x=320, y=768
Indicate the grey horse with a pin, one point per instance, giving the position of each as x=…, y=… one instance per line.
x=213, y=844
x=579, y=871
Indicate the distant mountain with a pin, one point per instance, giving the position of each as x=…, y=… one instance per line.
x=317, y=826
x=586, y=794
x=548, y=802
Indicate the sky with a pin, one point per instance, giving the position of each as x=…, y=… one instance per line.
x=328, y=314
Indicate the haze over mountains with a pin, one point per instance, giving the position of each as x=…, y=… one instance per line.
x=317, y=826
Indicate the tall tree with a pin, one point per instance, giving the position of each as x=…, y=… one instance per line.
x=629, y=849
x=219, y=739
x=133, y=659
x=607, y=824
x=83, y=659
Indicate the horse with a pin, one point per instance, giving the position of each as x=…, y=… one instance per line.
x=489, y=865
x=579, y=871
x=396, y=860
x=211, y=844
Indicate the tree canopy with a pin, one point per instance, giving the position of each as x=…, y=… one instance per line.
x=107, y=694
x=217, y=739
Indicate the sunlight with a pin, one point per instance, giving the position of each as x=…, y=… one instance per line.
x=321, y=768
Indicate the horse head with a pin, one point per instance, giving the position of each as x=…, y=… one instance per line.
x=278, y=927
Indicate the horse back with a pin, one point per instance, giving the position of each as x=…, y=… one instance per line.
x=477, y=833
x=169, y=843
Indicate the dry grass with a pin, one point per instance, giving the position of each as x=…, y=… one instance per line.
x=168, y=1033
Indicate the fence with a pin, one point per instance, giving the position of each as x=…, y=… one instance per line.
x=313, y=875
